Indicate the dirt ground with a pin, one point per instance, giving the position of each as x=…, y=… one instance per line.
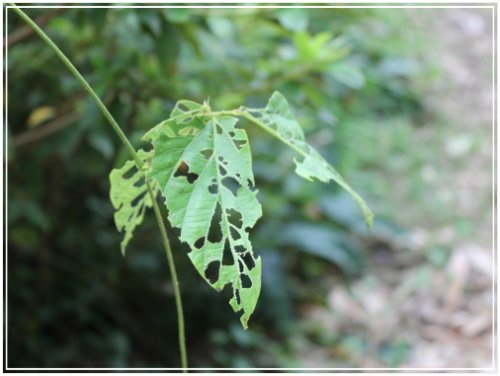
x=428, y=303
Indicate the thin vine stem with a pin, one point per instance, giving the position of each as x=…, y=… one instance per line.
x=175, y=280
x=140, y=165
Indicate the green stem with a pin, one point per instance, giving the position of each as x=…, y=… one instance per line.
x=139, y=163
x=82, y=80
x=337, y=177
x=271, y=131
x=175, y=280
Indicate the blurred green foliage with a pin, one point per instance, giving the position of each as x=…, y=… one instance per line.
x=73, y=300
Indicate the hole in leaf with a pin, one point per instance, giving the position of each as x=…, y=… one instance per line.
x=234, y=217
x=138, y=199
x=240, y=249
x=212, y=271
x=192, y=178
x=251, y=185
x=176, y=231
x=183, y=170
x=240, y=143
x=200, y=242
x=246, y=282
x=131, y=172
x=218, y=128
x=240, y=266
x=215, y=232
x=188, y=131
x=222, y=170
x=139, y=183
x=247, y=229
x=213, y=188
x=232, y=184
x=221, y=158
x=234, y=233
x=249, y=261
x=227, y=292
x=207, y=153
x=227, y=256
x=134, y=215
x=232, y=134
x=237, y=297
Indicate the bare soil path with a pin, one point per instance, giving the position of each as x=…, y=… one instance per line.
x=430, y=304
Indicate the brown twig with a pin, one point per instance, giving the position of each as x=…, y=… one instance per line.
x=39, y=133
x=26, y=32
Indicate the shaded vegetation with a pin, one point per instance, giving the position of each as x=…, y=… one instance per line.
x=74, y=301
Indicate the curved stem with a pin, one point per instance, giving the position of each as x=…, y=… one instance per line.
x=175, y=280
x=82, y=80
x=336, y=176
x=138, y=162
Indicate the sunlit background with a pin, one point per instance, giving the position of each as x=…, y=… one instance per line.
x=399, y=100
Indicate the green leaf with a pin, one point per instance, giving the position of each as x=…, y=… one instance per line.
x=323, y=242
x=167, y=47
x=177, y=15
x=310, y=47
x=277, y=118
x=293, y=19
x=348, y=74
x=129, y=197
x=320, y=50
x=207, y=181
x=179, y=123
x=222, y=27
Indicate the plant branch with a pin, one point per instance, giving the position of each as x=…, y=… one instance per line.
x=24, y=33
x=46, y=130
x=271, y=131
x=82, y=80
x=138, y=162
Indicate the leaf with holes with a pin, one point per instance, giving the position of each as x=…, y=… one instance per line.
x=278, y=119
x=129, y=197
x=208, y=185
x=179, y=123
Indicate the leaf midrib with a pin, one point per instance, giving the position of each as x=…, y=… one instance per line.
x=237, y=283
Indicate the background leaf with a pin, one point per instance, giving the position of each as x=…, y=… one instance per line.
x=348, y=74
x=293, y=19
x=320, y=241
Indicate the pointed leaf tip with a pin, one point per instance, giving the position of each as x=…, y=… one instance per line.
x=278, y=117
